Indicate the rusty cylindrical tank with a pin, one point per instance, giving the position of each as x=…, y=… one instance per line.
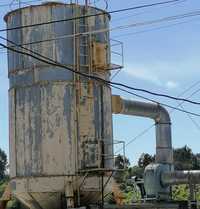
x=60, y=123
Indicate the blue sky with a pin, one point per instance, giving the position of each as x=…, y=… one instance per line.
x=164, y=60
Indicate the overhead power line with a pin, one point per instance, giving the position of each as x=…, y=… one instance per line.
x=124, y=17
x=142, y=133
x=54, y=63
x=121, y=27
x=11, y=4
x=146, y=130
x=154, y=101
x=156, y=28
x=117, y=36
x=188, y=115
x=49, y=61
x=21, y=2
x=150, y=127
x=91, y=15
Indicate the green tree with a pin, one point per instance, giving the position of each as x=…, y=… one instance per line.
x=185, y=159
x=131, y=194
x=196, y=162
x=121, y=176
x=145, y=159
x=3, y=164
x=121, y=162
x=135, y=171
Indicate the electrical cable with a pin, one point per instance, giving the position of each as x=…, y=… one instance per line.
x=142, y=133
x=91, y=15
x=127, y=34
x=122, y=18
x=189, y=116
x=22, y=2
x=154, y=101
x=192, y=119
x=114, y=84
x=174, y=108
x=121, y=27
x=156, y=28
x=150, y=127
x=155, y=94
x=99, y=79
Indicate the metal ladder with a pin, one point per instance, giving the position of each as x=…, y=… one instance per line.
x=84, y=50
x=85, y=45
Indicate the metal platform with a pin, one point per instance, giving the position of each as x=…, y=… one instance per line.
x=170, y=205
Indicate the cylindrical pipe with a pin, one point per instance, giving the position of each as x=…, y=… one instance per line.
x=164, y=152
x=180, y=177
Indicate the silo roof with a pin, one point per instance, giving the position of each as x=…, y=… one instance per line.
x=49, y=3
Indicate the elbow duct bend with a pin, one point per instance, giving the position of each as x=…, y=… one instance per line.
x=164, y=151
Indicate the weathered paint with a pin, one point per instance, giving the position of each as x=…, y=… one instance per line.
x=57, y=121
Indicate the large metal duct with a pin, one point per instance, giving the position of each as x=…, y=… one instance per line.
x=60, y=123
x=180, y=177
x=158, y=176
x=164, y=151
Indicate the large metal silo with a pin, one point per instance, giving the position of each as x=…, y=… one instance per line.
x=60, y=123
